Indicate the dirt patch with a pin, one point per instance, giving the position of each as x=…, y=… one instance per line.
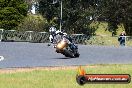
x=14, y=70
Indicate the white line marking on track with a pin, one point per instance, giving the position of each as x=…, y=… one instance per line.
x=1, y=58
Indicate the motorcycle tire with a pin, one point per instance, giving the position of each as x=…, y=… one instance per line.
x=68, y=54
x=77, y=55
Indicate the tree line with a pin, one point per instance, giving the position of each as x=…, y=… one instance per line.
x=77, y=14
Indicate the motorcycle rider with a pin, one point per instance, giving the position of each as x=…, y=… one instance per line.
x=52, y=31
x=57, y=35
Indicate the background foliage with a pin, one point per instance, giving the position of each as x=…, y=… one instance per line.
x=77, y=14
x=33, y=23
x=11, y=13
x=116, y=12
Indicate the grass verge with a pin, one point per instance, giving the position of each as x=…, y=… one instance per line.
x=106, y=40
x=104, y=37
x=59, y=77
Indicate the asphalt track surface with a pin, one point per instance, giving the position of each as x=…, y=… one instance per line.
x=20, y=54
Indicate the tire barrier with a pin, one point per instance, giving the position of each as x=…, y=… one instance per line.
x=27, y=36
x=36, y=37
x=43, y=37
x=79, y=38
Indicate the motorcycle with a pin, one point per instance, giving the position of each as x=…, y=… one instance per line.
x=64, y=48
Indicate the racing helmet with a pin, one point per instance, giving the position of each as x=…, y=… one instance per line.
x=52, y=29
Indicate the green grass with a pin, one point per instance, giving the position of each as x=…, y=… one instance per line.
x=106, y=40
x=104, y=37
x=103, y=40
x=61, y=78
x=102, y=28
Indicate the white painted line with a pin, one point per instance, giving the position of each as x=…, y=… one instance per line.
x=1, y=58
